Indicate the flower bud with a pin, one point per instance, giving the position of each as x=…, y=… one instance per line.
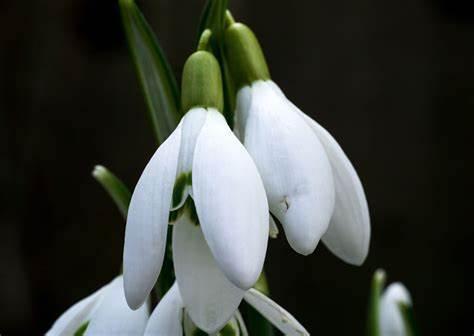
x=244, y=54
x=202, y=82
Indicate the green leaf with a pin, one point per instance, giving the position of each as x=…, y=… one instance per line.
x=411, y=328
x=378, y=281
x=213, y=17
x=114, y=187
x=155, y=75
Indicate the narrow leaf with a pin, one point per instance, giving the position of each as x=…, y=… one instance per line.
x=213, y=17
x=411, y=328
x=154, y=72
x=114, y=187
x=373, y=325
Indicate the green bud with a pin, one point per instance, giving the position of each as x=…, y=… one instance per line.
x=202, y=82
x=245, y=56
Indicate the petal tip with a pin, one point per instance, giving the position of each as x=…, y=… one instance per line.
x=135, y=298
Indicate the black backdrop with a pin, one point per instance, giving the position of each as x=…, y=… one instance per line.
x=392, y=80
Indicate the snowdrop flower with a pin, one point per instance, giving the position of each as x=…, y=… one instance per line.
x=203, y=179
x=392, y=322
x=312, y=187
x=105, y=312
x=170, y=317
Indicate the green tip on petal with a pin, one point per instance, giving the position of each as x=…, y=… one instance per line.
x=82, y=329
x=244, y=54
x=202, y=82
x=406, y=311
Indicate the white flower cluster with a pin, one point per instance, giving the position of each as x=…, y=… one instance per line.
x=222, y=190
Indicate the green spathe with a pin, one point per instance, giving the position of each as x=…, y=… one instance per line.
x=244, y=55
x=202, y=82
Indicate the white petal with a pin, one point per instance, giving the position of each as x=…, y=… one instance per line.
x=114, y=317
x=348, y=235
x=147, y=221
x=210, y=299
x=243, y=103
x=293, y=164
x=278, y=316
x=230, y=201
x=391, y=320
x=190, y=129
x=76, y=316
x=240, y=321
x=167, y=317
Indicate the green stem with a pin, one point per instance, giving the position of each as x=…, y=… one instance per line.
x=373, y=324
x=204, y=41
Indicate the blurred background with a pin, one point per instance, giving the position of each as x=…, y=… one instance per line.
x=391, y=80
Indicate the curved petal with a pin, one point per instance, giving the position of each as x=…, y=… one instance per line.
x=391, y=319
x=114, y=317
x=147, y=221
x=294, y=167
x=348, y=235
x=278, y=316
x=76, y=316
x=230, y=202
x=243, y=103
x=210, y=299
x=190, y=129
x=241, y=324
x=167, y=317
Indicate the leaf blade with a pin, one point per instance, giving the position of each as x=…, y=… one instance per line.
x=115, y=188
x=156, y=78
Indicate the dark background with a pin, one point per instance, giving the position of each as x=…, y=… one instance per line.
x=391, y=80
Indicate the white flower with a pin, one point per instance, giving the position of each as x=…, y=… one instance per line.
x=170, y=317
x=216, y=257
x=105, y=312
x=312, y=187
x=391, y=319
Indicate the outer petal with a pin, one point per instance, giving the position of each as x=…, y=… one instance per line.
x=278, y=316
x=230, y=201
x=348, y=235
x=74, y=317
x=147, y=221
x=391, y=320
x=210, y=299
x=114, y=317
x=293, y=165
x=167, y=317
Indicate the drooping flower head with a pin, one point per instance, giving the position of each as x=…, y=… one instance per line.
x=393, y=300
x=171, y=318
x=203, y=180
x=312, y=188
x=104, y=312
